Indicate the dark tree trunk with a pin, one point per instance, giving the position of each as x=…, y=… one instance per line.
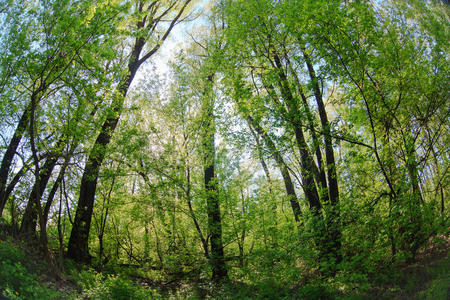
x=30, y=217
x=53, y=191
x=288, y=184
x=332, y=209
x=219, y=271
x=326, y=230
x=43, y=240
x=9, y=154
x=315, y=139
x=29, y=220
x=100, y=246
x=309, y=170
x=15, y=180
x=78, y=241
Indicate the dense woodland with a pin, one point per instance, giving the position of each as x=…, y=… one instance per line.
x=293, y=149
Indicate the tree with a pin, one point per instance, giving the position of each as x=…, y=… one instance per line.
x=211, y=188
x=149, y=16
x=45, y=70
x=374, y=57
x=274, y=61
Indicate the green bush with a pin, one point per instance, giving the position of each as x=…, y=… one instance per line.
x=438, y=290
x=16, y=280
x=315, y=292
x=439, y=287
x=98, y=286
x=122, y=289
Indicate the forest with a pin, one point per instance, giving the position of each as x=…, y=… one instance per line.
x=227, y=149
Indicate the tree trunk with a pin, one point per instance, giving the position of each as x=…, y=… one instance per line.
x=332, y=209
x=15, y=180
x=288, y=184
x=273, y=228
x=9, y=154
x=309, y=170
x=53, y=191
x=219, y=271
x=29, y=220
x=192, y=214
x=78, y=241
x=417, y=235
x=327, y=238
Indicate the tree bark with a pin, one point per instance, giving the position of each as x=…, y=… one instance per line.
x=288, y=184
x=203, y=240
x=29, y=220
x=78, y=242
x=332, y=208
x=12, y=184
x=10, y=152
x=219, y=271
x=309, y=170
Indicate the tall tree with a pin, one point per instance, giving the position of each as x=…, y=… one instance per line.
x=400, y=99
x=278, y=62
x=149, y=16
x=219, y=271
x=42, y=72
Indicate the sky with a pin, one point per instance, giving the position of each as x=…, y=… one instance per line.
x=178, y=39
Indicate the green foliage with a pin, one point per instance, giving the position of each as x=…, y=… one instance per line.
x=17, y=278
x=320, y=291
x=267, y=289
x=382, y=67
x=438, y=290
x=100, y=286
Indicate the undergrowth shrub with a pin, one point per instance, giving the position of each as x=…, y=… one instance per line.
x=104, y=287
x=17, y=280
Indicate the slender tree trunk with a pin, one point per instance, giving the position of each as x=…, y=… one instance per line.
x=29, y=220
x=60, y=232
x=416, y=233
x=146, y=241
x=100, y=246
x=43, y=239
x=310, y=174
x=12, y=184
x=273, y=229
x=219, y=271
x=309, y=170
x=288, y=184
x=315, y=139
x=332, y=209
x=391, y=231
x=53, y=191
x=78, y=241
x=241, y=241
x=439, y=186
x=10, y=152
x=203, y=240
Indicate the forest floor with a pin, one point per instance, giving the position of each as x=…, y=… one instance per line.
x=427, y=278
